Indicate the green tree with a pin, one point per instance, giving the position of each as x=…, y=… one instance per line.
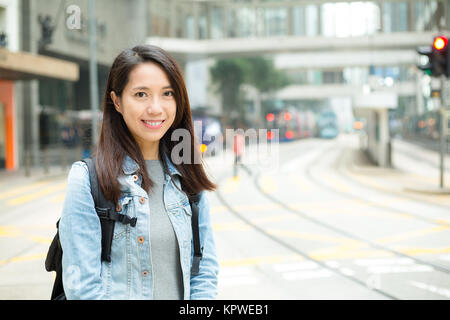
x=230, y=74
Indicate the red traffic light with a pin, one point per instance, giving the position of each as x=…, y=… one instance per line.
x=440, y=43
x=287, y=116
x=270, y=117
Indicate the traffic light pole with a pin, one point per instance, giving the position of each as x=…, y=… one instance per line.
x=442, y=134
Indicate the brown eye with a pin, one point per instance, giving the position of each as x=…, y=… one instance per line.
x=169, y=93
x=140, y=94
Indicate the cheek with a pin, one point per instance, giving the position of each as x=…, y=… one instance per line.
x=171, y=113
x=130, y=114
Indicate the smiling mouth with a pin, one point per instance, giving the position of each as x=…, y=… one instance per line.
x=153, y=124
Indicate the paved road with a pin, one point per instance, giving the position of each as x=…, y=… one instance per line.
x=318, y=222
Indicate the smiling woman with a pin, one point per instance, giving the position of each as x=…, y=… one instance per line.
x=144, y=103
x=148, y=106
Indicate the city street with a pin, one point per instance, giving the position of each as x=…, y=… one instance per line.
x=323, y=224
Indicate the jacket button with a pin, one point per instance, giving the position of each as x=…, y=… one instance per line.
x=135, y=177
x=142, y=200
x=141, y=239
x=118, y=208
x=144, y=273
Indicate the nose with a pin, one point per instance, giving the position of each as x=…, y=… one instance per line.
x=155, y=106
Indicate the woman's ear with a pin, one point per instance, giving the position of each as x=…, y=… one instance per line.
x=115, y=99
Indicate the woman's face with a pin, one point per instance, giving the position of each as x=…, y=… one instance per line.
x=147, y=105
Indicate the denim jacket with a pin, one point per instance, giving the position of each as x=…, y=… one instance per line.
x=129, y=274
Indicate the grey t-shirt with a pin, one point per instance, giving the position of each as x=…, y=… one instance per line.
x=164, y=251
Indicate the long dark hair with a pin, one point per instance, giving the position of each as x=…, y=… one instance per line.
x=116, y=140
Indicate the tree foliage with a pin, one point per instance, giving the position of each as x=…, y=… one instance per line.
x=230, y=74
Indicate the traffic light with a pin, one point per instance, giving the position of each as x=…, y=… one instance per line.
x=434, y=59
x=440, y=48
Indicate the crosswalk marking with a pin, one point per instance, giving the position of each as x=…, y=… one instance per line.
x=22, y=189
x=32, y=196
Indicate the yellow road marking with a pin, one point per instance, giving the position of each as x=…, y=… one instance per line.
x=9, y=231
x=259, y=260
x=58, y=198
x=268, y=184
x=334, y=182
x=22, y=189
x=37, y=256
x=320, y=255
x=45, y=240
x=312, y=236
x=342, y=254
x=231, y=185
x=301, y=184
x=412, y=234
x=30, y=197
x=235, y=226
x=417, y=251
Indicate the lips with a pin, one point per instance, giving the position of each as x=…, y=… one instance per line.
x=153, y=124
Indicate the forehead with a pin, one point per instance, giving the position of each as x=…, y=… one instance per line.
x=148, y=74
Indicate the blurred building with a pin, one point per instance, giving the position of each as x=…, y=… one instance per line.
x=332, y=47
x=334, y=51
x=331, y=50
x=46, y=100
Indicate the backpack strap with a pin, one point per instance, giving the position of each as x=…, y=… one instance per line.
x=198, y=250
x=106, y=211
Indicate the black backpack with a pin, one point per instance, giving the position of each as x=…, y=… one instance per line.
x=108, y=216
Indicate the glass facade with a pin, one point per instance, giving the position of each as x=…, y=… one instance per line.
x=351, y=75
x=244, y=19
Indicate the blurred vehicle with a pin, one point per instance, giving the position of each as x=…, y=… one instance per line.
x=292, y=124
x=327, y=124
x=208, y=131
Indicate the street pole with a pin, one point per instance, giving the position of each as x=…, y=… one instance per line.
x=442, y=135
x=93, y=77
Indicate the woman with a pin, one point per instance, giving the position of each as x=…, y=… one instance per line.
x=144, y=103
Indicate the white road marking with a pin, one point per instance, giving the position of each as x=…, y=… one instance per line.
x=400, y=269
x=304, y=275
x=236, y=276
x=306, y=265
x=428, y=287
x=445, y=257
x=383, y=262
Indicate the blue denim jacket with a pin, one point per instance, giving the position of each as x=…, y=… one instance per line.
x=129, y=274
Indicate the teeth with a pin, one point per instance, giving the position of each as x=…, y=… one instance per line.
x=153, y=123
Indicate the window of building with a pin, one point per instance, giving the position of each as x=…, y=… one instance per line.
x=276, y=21
x=298, y=23
x=217, y=23
x=395, y=16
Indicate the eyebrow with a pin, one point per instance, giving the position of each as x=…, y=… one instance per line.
x=146, y=88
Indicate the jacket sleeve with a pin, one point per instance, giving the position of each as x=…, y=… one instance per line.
x=80, y=236
x=204, y=285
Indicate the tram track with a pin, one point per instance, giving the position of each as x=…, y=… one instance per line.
x=345, y=175
x=306, y=216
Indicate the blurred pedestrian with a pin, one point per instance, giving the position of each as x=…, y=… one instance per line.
x=145, y=101
x=238, y=148
x=86, y=141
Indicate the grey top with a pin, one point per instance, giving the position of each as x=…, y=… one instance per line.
x=164, y=251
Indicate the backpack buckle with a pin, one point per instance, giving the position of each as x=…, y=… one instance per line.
x=103, y=213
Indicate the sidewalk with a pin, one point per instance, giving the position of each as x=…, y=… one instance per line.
x=10, y=179
x=414, y=171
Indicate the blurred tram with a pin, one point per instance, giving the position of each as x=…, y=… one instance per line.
x=292, y=124
x=327, y=124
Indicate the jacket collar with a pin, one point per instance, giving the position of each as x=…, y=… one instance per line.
x=130, y=166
